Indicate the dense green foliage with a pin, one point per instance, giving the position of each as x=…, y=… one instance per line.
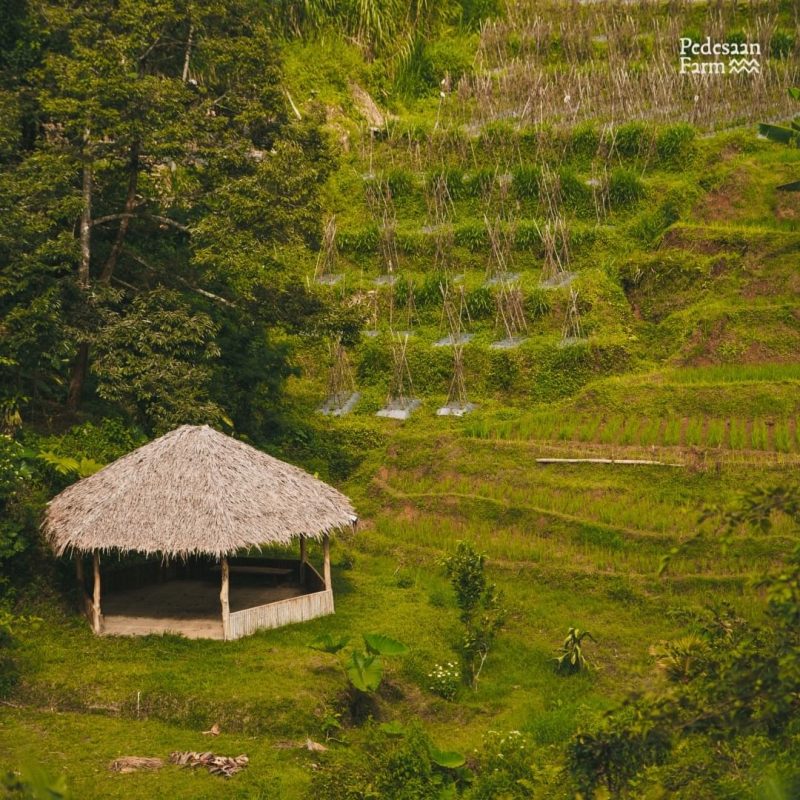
x=161, y=136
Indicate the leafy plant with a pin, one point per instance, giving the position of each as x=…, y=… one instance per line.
x=364, y=668
x=572, y=659
x=73, y=467
x=444, y=680
x=482, y=610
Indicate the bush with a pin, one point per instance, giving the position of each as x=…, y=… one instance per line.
x=782, y=44
x=400, y=182
x=537, y=303
x=525, y=182
x=624, y=187
x=444, y=680
x=631, y=140
x=103, y=441
x=574, y=191
x=506, y=768
x=480, y=303
x=675, y=145
x=584, y=141
x=478, y=182
x=363, y=240
x=473, y=236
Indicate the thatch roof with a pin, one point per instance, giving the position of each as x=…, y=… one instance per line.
x=193, y=491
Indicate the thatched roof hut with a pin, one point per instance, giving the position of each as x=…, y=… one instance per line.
x=194, y=492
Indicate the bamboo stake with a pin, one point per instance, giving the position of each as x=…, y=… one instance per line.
x=97, y=618
x=223, y=599
x=326, y=549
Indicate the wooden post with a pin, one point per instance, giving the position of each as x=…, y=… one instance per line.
x=326, y=549
x=303, y=557
x=79, y=574
x=97, y=618
x=223, y=599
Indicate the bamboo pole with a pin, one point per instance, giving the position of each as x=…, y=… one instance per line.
x=96, y=615
x=326, y=549
x=223, y=599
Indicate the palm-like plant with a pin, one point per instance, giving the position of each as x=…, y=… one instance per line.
x=683, y=659
x=571, y=658
x=785, y=134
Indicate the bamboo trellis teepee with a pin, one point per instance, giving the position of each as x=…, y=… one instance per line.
x=440, y=214
x=501, y=241
x=555, y=242
x=572, y=330
x=400, y=401
x=457, y=404
x=388, y=236
x=342, y=394
x=454, y=312
x=325, y=271
x=510, y=315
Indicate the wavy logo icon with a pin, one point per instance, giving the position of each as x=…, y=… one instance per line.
x=749, y=65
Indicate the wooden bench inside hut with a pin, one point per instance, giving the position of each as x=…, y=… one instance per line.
x=192, y=534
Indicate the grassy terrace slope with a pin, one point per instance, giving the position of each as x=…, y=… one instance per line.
x=568, y=545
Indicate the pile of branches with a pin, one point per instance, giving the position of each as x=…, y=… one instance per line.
x=216, y=765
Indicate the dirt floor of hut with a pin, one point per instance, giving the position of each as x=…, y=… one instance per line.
x=188, y=607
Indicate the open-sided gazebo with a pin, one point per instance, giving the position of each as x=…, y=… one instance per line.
x=194, y=499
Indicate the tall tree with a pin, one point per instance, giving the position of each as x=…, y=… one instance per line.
x=148, y=148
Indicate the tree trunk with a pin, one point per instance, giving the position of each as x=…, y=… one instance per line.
x=81, y=363
x=130, y=204
x=187, y=55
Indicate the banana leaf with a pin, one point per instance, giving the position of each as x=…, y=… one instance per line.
x=446, y=758
x=365, y=671
x=381, y=645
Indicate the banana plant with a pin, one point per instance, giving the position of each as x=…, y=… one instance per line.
x=571, y=659
x=364, y=668
x=785, y=134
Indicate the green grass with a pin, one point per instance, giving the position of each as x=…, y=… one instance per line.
x=567, y=546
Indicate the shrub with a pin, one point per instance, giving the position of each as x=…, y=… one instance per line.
x=525, y=182
x=584, y=141
x=400, y=182
x=444, y=680
x=625, y=187
x=481, y=605
x=506, y=767
x=675, y=145
x=473, y=236
x=631, y=140
x=782, y=44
